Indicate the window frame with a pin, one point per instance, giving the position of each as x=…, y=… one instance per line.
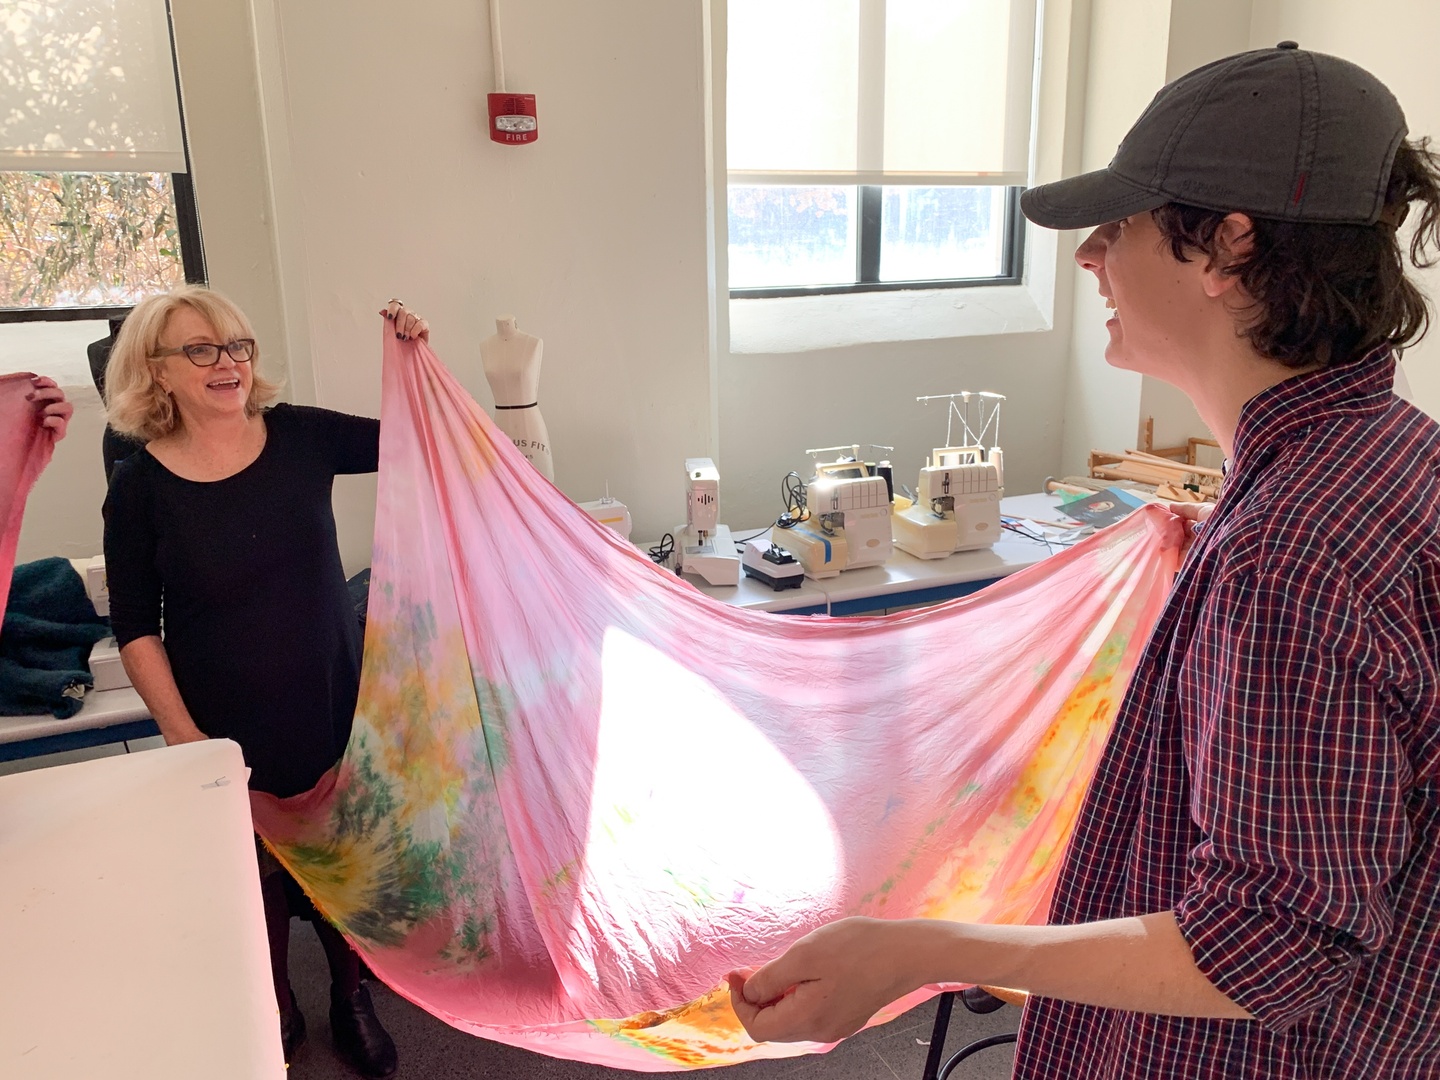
x=867, y=256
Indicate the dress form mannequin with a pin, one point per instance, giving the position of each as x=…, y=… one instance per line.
x=512, y=368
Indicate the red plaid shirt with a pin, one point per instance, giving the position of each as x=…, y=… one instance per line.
x=1274, y=773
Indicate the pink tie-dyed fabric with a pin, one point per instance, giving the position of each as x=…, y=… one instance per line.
x=579, y=791
x=25, y=449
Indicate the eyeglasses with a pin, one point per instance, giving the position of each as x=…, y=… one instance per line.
x=207, y=354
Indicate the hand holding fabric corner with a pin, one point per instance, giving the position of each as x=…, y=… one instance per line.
x=49, y=400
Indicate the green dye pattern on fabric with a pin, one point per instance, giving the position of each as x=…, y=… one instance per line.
x=552, y=887
x=471, y=944
x=315, y=862
x=496, y=702
x=407, y=892
x=424, y=877
x=1109, y=656
x=422, y=625
x=907, y=861
x=962, y=793
x=414, y=881
x=700, y=894
x=368, y=799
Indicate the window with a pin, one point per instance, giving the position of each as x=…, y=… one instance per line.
x=788, y=240
x=90, y=245
x=876, y=144
x=96, y=206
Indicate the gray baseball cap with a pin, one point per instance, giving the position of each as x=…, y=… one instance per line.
x=1274, y=133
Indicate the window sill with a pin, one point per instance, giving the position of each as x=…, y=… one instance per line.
x=792, y=324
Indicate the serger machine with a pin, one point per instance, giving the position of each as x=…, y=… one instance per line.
x=957, y=503
x=704, y=547
x=849, y=515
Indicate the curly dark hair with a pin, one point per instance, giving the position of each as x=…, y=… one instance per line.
x=1326, y=294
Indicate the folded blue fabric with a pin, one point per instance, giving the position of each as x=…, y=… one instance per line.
x=50, y=627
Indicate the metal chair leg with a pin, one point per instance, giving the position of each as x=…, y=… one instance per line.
x=944, y=1004
x=934, y=1070
x=974, y=1048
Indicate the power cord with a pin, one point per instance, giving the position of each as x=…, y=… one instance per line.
x=1013, y=525
x=792, y=495
x=662, y=551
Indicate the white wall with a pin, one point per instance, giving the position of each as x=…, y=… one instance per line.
x=1396, y=40
x=1129, y=40
x=594, y=237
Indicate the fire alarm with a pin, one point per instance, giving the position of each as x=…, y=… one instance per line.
x=512, y=118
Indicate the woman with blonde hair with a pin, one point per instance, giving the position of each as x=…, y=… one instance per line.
x=223, y=522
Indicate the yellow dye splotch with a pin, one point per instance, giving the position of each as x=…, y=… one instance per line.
x=1014, y=853
x=701, y=1033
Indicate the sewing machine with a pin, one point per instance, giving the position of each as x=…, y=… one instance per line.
x=704, y=546
x=849, y=522
x=957, y=501
x=611, y=512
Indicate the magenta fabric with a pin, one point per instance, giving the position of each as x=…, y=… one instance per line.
x=578, y=790
x=25, y=450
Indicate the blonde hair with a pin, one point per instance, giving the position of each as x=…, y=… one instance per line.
x=135, y=403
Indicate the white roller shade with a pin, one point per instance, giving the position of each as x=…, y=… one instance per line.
x=879, y=91
x=88, y=86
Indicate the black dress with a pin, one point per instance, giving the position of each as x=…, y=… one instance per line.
x=258, y=625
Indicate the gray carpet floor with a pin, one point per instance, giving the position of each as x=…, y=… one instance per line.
x=431, y=1050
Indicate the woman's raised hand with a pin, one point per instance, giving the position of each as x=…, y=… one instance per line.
x=408, y=325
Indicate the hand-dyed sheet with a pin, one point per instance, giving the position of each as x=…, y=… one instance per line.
x=25, y=449
x=579, y=791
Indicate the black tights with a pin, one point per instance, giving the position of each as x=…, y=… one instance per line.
x=344, y=961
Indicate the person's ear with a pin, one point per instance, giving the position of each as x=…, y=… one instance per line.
x=1234, y=240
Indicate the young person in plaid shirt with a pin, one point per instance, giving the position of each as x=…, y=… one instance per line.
x=1253, y=888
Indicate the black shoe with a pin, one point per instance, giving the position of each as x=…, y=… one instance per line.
x=292, y=1028
x=362, y=1042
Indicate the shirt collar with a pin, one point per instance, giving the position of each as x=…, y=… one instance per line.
x=1363, y=386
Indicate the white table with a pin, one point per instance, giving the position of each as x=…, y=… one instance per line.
x=806, y=599
x=131, y=927
x=107, y=716
x=903, y=580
